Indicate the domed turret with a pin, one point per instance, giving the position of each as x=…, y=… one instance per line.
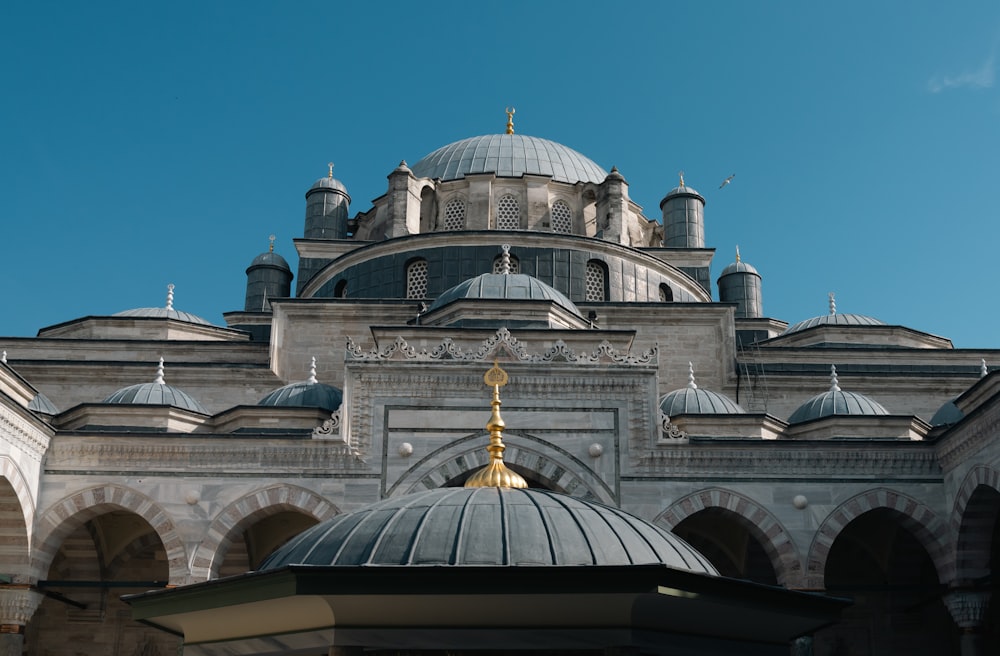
x=694, y=400
x=268, y=276
x=836, y=402
x=949, y=413
x=834, y=319
x=683, y=217
x=309, y=393
x=327, y=208
x=741, y=284
x=156, y=393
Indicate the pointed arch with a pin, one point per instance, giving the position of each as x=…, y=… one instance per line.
x=248, y=509
x=914, y=516
x=973, y=519
x=762, y=525
x=15, y=537
x=64, y=516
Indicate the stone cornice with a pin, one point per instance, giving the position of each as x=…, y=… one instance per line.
x=16, y=430
x=970, y=436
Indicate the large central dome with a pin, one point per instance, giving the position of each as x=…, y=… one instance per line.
x=509, y=156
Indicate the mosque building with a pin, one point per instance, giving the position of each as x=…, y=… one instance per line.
x=300, y=472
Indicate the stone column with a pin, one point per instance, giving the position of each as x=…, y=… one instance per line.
x=967, y=608
x=802, y=646
x=17, y=605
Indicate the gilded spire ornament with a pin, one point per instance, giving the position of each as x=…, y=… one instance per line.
x=510, y=120
x=330, y=164
x=496, y=474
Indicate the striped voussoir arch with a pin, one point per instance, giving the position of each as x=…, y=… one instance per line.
x=913, y=515
x=973, y=516
x=760, y=522
x=17, y=509
x=248, y=510
x=64, y=516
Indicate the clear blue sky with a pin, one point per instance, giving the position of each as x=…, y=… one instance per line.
x=154, y=143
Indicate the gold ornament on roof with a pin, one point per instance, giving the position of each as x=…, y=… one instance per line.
x=330, y=164
x=510, y=120
x=496, y=474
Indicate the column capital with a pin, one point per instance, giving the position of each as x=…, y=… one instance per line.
x=17, y=605
x=967, y=607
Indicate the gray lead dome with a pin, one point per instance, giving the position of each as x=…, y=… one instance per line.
x=508, y=155
x=487, y=526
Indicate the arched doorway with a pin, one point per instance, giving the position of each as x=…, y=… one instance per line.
x=255, y=541
x=726, y=539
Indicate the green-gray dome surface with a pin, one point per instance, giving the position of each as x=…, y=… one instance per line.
x=270, y=259
x=305, y=394
x=155, y=394
x=163, y=313
x=739, y=267
x=687, y=401
x=508, y=155
x=947, y=415
x=487, y=526
x=835, y=320
x=511, y=286
x=42, y=403
x=328, y=182
x=836, y=402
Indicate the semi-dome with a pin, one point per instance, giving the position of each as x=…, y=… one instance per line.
x=508, y=155
x=308, y=393
x=947, y=414
x=694, y=400
x=834, y=319
x=167, y=312
x=155, y=393
x=42, y=403
x=488, y=526
x=836, y=402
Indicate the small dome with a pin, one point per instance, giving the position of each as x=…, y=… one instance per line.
x=510, y=286
x=167, y=312
x=692, y=400
x=487, y=526
x=947, y=415
x=308, y=393
x=739, y=267
x=270, y=259
x=834, y=319
x=155, y=393
x=328, y=183
x=41, y=403
x=510, y=156
x=836, y=402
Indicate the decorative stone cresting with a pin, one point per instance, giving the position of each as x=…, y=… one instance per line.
x=399, y=349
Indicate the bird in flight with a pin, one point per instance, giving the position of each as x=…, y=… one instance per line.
x=727, y=181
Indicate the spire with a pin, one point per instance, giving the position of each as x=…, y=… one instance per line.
x=681, y=175
x=737, y=253
x=496, y=474
x=270, y=249
x=834, y=383
x=170, y=296
x=833, y=305
x=312, y=373
x=983, y=370
x=505, y=259
x=159, y=372
x=510, y=120
x=691, y=383
x=330, y=175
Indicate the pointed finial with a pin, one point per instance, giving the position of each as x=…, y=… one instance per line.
x=330, y=164
x=170, y=296
x=270, y=248
x=159, y=373
x=496, y=474
x=834, y=383
x=833, y=304
x=983, y=370
x=737, y=253
x=691, y=383
x=312, y=373
x=681, y=174
x=505, y=259
x=510, y=120
x=3, y=357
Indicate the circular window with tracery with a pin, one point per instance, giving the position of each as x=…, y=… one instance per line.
x=416, y=279
x=562, y=217
x=595, y=282
x=454, y=214
x=508, y=214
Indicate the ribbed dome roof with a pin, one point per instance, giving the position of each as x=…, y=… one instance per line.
x=683, y=190
x=739, y=267
x=487, y=526
x=694, y=400
x=305, y=394
x=508, y=155
x=834, y=319
x=328, y=182
x=155, y=393
x=41, y=403
x=270, y=259
x=836, y=402
x=167, y=312
x=512, y=286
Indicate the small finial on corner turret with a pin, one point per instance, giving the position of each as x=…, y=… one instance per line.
x=510, y=120
x=737, y=253
x=271, y=247
x=330, y=164
x=681, y=175
x=833, y=304
x=170, y=296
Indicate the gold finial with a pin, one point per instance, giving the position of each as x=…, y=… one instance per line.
x=737, y=253
x=271, y=247
x=496, y=474
x=330, y=164
x=510, y=120
x=681, y=174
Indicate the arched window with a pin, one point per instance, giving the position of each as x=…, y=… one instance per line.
x=454, y=214
x=562, y=217
x=416, y=279
x=508, y=213
x=597, y=281
x=666, y=294
x=340, y=291
x=515, y=265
